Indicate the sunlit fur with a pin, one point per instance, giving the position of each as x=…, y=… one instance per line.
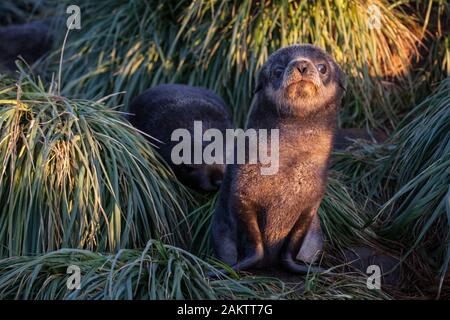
x=260, y=221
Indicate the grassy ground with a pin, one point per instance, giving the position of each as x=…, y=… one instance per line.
x=80, y=186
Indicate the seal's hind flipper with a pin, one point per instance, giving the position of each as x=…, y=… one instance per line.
x=305, y=235
x=289, y=263
x=312, y=243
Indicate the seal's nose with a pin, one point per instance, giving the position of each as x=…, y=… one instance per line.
x=216, y=176
x=302, y=66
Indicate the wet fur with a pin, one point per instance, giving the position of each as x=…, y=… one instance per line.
x=160, y=110
x=261, y=221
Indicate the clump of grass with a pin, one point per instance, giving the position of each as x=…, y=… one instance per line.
x=407, y=180
x=222, y=44
x=343, y=220
x=359, y=166
x=434, y=65
x=419, y=209
x=343, y=287
x=158, y=271
x=75, y=173
x=200, y=217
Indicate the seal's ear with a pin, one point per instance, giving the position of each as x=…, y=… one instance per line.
x=342, y=79
x=260, y=79
x=343, y=82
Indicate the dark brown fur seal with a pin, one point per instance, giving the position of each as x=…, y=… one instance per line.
x=160, y=110
x=262, y=220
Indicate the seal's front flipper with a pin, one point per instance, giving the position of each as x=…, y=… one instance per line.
x=312, y=243
x=224, y=233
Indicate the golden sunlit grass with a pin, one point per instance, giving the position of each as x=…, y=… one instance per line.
x=222, y=44
x=76, y=174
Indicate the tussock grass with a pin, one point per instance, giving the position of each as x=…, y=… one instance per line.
x=434, y=65
x=158, y=271
x=130, y=46
x=76, y=174
x=346, y=286
x=343, y=219
x=407, y=181
x=419, y=210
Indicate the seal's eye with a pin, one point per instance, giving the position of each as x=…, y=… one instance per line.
x=322, y=68
x=278, y=71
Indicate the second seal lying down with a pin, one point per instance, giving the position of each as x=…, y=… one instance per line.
x=161, y=110
x=263, y=220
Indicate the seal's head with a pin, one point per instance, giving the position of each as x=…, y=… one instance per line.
x=301, y=79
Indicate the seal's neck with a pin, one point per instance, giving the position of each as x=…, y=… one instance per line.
x=325, y=116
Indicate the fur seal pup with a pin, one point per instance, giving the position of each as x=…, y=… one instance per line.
x=160, y=110
x=262, y=220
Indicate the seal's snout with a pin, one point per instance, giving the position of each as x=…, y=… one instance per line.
x=300, y=79
x=302, y=66
x=299, y=70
